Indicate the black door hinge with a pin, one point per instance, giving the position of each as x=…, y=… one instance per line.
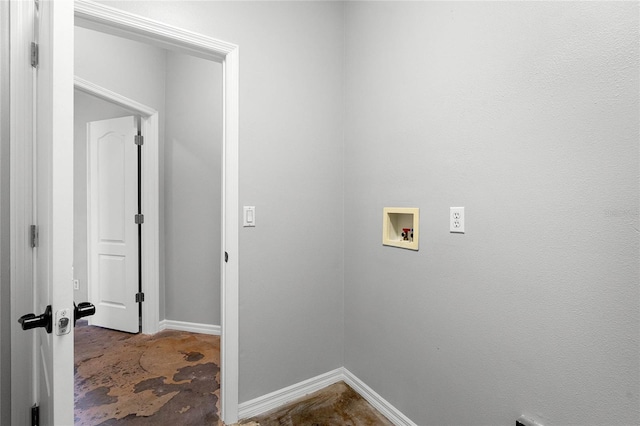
x=35, y=415
x=35, y=56
x=139, y=219
x=139, y=297
x=33, y=236
x=226, y=257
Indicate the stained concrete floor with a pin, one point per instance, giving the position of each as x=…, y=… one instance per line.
x=172, y=378
x=334, y=405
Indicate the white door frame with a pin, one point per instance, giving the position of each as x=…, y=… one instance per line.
x=117, y=22
x=150, y=198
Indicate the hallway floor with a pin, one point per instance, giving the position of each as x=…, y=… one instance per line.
x=173, y=378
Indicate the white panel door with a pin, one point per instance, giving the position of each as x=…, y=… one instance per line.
x=113, y=233
x=53, y=208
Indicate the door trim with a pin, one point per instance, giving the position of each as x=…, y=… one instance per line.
x=150, y=198
x=117, y=22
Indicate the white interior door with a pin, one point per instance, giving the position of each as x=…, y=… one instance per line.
x=53, y=209
x=21, y=17
x=113, y=232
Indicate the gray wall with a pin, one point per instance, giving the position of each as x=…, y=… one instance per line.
x=524, y=113
x=192, y=188
x=291, y=150
x=527, y=115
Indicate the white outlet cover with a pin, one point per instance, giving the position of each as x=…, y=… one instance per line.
x=456, y=220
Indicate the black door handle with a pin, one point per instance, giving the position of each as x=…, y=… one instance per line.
x=83, y=309
x=30, y=321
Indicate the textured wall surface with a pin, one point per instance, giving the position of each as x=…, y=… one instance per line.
x=192, y=188
x=524, y=113
x=527, y=115
x=291, y=148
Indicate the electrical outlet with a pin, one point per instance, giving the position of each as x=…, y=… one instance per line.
x=456, y=220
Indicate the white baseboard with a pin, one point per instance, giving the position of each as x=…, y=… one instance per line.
x=394, y=415
x=280, y=397
x=193, y=327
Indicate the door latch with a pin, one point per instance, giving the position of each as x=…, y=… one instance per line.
x=63, y=322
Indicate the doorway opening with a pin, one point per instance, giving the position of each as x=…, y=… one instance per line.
x=94, y=102
x=178, y=305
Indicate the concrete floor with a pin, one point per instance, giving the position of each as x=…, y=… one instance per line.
x=170, y=378
x=173, y=378
x=337, y=404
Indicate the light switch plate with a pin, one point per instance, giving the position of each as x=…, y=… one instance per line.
x=249, y=216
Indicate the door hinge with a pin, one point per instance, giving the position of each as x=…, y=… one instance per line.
x=139, y=297
x=139, y=219
x=33, y=236
x=226, y=257
x=139, y=140
x=35, y=415
x=34, y=54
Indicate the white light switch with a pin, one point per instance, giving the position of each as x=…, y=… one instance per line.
x=249, y=216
